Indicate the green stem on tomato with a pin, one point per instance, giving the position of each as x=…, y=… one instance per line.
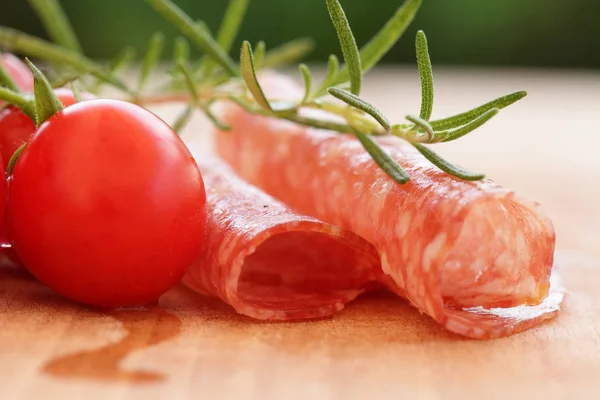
x=46, y=102
x=13, y=159
x=18, y=100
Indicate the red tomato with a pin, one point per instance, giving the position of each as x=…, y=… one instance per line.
x=19, y=71
x=2, y=206
x=16, y=128
x=106, y=205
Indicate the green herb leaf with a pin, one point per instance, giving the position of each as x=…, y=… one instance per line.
x=249, y=75
x=182, y=119
x=382, y=42
x=153, y=53
x=12, y=40
x=76, y=92
x=421, y=123
x=306, y=75
x=213, y=118
x=383, y=159
x=181, y=50
x=6, y=79
x=333, y=66
x=287, y=53
x=259, y=54
x=347, y=43
x=232, y=22
x=64, y=80
x=426, y=74
x=319, y=123
x=205, y=42
x=125, y=57
x=15, y=98
x=359, y=103
x=189, y=81
x=448, y=136
x=56, y=23
x=464, y=118
x=46, y=102
x=446, y=166
x=14, y=158
x=234, y=16
x=202, y=64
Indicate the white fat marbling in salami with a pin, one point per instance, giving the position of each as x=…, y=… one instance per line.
x=472, y=255
x=271, y=263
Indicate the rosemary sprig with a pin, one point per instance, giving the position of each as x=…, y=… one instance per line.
x=259, y=53
x=464, y=118
x=348, y=44
x=362, y=105
x=383, y=159
x=76, y=92
x=200, y=37
x=446, y=166
x=447, y=136
x=181, y=51
x=204, y=81
x=333, y=67
x=249, y=74
x=383, y=41
x=307, y=76
x=13, y=40
x=288, y=53
x=153, y=53
x=234, y=15
x=424, y=65
x=56, y=23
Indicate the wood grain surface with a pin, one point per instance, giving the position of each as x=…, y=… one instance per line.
x=191, y=347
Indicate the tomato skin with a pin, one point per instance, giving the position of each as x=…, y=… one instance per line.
x=19, y=71
x=106, y=205
x=3, y=197
x=16, y=128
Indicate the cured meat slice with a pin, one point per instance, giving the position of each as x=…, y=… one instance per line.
x=271, y=263
x=472, y=255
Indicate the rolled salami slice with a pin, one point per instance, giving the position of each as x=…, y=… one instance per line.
x=271, y=263
x=472, y=255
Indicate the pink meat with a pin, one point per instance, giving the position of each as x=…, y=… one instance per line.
x=472, y=255
x=271, y=263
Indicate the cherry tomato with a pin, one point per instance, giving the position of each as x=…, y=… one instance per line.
x=106, y=205
x=19, y=71
x=16, y=128
x=2, y=206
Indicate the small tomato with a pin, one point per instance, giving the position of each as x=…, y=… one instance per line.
x=106, y=205
x=19, y=71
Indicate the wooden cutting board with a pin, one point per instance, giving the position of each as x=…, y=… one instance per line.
x=378, y=347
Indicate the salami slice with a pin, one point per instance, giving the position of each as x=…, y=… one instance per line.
x=271, y=263
x=472, y=255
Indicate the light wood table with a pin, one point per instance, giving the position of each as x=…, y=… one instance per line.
x=547, y=148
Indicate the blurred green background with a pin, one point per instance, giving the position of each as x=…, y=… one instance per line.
x=549, y=33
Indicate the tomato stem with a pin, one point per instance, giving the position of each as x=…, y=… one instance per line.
x=14, y=158
x=46, y=102
x=19, y=101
